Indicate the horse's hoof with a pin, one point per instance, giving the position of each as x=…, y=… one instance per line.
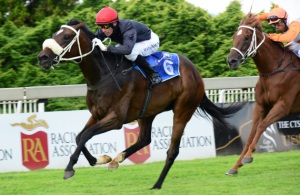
x=232, y=172
x=69, y=174
x=156, y=187
x=247, y=160
x=103, y=160
x=121, y=157
x=112, y=165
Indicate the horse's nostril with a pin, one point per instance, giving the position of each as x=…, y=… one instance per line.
x=43, y=57
x=231, y=61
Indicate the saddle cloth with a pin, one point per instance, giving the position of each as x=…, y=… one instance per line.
x=165, y=63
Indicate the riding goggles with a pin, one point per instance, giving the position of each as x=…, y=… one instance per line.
x=276, y=23
x=105, y=26
x=273, y=19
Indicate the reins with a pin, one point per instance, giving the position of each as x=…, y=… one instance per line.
x=281, y=70
x=60, y=52
x=69, y=46
x=252, y=50
x=253, y=47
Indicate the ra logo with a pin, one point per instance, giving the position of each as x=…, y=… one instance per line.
x=34, y=142
x=131, y=133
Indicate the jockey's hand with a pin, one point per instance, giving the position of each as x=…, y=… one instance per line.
x=99, y=43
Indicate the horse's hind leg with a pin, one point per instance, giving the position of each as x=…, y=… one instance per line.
x=143, y=140
x=172, y=153
x=182, y=114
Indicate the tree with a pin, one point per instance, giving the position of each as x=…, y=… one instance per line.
x=182, y=28
x=28, y=12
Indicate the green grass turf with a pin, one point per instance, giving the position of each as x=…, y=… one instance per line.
x=270, y=173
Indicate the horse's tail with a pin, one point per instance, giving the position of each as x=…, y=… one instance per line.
x=218, y=113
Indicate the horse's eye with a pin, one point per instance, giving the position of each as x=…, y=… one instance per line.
x=247, y=38
x=66, y=37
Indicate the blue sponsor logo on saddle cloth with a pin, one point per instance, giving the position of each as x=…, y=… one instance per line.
x=165, y=63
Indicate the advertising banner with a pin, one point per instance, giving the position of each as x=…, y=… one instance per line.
x=33, y=141
x=282, y=135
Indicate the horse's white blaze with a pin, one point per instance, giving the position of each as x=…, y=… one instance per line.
x=53, y=45
x=240, y=32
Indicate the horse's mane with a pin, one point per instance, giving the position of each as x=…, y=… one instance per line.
x=251, y=20
x=87, y=31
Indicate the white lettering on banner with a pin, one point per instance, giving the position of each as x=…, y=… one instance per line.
x=289, y=124
x=5, y=154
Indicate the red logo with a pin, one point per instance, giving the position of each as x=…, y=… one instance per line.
x=34, y=146
x=131, y=136
x=35, y=150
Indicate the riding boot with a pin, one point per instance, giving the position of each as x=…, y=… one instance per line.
x=151, y=74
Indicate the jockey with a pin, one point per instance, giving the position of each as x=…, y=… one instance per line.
x=287, y=27
x=135, y=40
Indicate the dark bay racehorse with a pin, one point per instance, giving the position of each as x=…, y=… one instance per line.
x=117, y=94
x=277, y=92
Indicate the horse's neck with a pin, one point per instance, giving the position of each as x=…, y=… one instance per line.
x=99, y=66
x=91, y=69
x=268, y=57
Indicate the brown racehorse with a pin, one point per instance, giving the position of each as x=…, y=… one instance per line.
x=277, y=92
x=117, y=94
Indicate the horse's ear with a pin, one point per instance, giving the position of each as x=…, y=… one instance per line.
x=250, y=15
x=73, y=21
x=257, y=24
x=242, y=21
x=81, y=24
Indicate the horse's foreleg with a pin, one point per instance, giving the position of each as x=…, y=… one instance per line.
x=234, y=170
x=143, y=140
x=85, y=136
x=92, y=160
x=278, y=111
x=257, y=117
x=107, y=123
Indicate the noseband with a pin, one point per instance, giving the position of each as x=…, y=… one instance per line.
x=253, y=47
x=60, y=52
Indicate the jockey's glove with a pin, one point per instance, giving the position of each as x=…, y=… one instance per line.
x=99, y=43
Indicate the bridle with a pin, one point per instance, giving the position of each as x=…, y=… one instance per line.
x=253, y=47
x=60, y=52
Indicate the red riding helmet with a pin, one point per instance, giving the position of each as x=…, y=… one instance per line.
x=106, y=15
